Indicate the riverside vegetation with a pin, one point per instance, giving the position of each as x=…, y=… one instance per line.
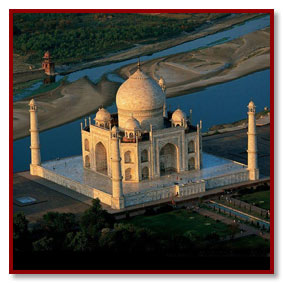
x=96, y=241
x=74, y=37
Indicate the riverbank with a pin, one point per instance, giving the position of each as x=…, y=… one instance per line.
x=141, y=50
x=190, y=71
x=74, y=100
x=63, y=104
x=262, y=119
x=27, y=75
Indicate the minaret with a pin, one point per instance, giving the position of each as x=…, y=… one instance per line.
x=252, y=144
x=200, y=143
x=198, y=147
x=117, y=187
x=34, y=138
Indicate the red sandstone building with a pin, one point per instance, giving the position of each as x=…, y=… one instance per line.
x=48, y=65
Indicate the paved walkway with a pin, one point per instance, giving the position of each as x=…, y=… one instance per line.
x=245, y=207
x=47, y=198
x=233, y=145
x=248, y=230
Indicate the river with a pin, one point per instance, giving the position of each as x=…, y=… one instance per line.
x=223, y=103
x=95, y=73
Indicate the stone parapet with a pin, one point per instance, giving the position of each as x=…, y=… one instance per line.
x=165, y=193
x=227, y=179
x=190, y=188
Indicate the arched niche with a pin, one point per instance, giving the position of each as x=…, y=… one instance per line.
x=128, y=157
x=128, y=174
x=101, y=158
x=86, y=142
x=191, y=147
x=87, y=161
x=191, y=165
x=145, y=173
x=144, y=156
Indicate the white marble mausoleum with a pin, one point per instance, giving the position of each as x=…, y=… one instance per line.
x=142, y=153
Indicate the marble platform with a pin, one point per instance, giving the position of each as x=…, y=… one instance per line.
x=213, y=166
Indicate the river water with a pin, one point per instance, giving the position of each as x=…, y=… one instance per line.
x=95, y=73
x=223, y=103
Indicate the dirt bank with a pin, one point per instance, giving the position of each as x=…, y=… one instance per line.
x=204, y=67
x=262, y=119
x=182, y=72
x=63, y=104
x=140, y=50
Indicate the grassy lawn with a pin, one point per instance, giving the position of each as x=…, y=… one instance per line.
x=178, y=222
x=260, y=199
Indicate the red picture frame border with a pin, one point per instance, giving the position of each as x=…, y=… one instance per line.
x=268, y=11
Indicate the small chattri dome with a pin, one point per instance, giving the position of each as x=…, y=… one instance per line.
x=178, y=116
x=132, y=124
x=102, y=115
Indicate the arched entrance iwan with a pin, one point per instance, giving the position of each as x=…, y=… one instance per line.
x=168, y=159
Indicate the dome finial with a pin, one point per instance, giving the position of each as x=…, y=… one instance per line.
x=139, y=64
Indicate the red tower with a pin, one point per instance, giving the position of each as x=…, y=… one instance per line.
x=48, y=65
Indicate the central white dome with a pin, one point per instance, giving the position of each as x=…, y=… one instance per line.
x=141, y=97
x=139, y=92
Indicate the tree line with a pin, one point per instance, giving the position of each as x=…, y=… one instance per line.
x=96, y=241
x=74, y=37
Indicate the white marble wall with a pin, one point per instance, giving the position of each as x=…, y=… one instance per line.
x=133, y=165
x=75, y=186
x=191, y=188
x=154, y=195
x=149, y=195
x=228, y=179
x=165, y=193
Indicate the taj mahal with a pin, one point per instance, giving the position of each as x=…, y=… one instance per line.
x=143, y=153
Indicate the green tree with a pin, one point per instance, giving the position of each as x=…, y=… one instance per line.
x=45, y=244
x=77, y=242
x=55, y=226
x=21, y=235
x=126, y=238
x=57, y=223
x=95, y=218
